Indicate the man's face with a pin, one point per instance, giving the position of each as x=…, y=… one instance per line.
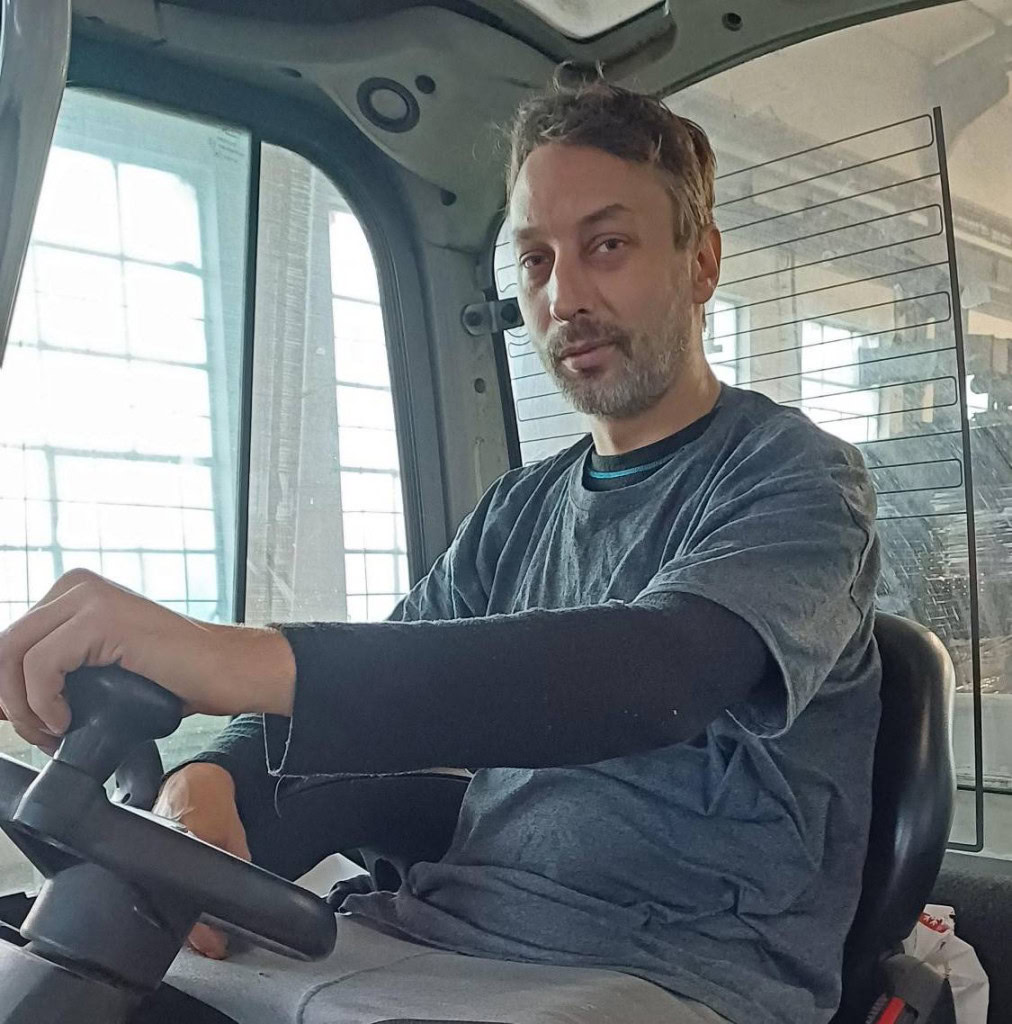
x=607, y=298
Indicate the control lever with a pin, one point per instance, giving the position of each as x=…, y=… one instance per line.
x=113, y=711
x=138, y=779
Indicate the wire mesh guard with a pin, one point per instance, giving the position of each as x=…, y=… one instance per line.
x=839, y=296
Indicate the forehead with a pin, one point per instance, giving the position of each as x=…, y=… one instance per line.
x=560, y=185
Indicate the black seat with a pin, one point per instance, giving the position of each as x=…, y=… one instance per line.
x=913, y=796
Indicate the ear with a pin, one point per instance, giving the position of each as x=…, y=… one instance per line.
x=706, y=266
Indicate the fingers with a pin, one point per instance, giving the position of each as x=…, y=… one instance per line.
x=37, y=737
x=241, y=849
x=17, y=710
x=42, y=740
x=49, y=744
x=209, y=942
x=15, y=643
x=13, y=699
x=55, y=637
x=45, y=668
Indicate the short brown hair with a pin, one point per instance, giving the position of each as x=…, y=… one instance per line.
x=628, y=125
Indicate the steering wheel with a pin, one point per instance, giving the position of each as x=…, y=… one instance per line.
x=123, y=887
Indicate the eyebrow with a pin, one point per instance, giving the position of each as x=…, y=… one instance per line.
x=525, y=234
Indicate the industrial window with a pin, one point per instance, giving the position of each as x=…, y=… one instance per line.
x=123, y=426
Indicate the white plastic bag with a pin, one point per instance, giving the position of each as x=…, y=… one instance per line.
x=934, y=942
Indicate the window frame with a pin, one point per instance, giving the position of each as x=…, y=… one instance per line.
x=327, y=139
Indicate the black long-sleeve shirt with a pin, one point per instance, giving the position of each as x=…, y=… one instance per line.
x=534, y=689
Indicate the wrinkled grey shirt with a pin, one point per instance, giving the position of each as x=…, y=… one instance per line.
x=726, y=869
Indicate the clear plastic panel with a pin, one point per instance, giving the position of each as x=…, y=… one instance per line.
x=835, y=260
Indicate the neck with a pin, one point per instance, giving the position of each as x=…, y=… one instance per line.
x=692, y=395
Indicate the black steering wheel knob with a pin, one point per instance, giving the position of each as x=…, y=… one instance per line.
x=113, y=711
x=139, y=874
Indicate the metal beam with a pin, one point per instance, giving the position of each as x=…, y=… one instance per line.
x=34, y=48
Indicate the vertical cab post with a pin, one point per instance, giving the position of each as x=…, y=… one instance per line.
x=34, y=48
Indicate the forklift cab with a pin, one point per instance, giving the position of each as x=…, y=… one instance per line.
x=260, y=353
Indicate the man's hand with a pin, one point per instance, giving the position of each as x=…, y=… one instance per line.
x=86, y=620
x=201, y=797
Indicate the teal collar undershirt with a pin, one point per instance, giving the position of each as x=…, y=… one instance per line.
x=630, y=467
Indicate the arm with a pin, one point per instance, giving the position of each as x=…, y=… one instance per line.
x=239, y=747
x=788, y=551
x=750, y=617
x=534, y=689
x=216, y=669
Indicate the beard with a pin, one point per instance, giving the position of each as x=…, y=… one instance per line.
x=642, y=371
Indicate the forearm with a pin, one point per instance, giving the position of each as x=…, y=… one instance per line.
x=534, y=689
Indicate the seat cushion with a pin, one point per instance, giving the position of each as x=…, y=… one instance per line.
x=373, y=976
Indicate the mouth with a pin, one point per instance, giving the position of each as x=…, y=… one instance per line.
x=574, y=350
x=580, y=348
x=586, y=356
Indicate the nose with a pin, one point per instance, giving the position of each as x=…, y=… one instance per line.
x=569, y=290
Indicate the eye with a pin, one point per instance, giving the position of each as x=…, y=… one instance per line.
x=532, y=260
x=610, y=245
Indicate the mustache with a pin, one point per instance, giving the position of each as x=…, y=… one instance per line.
x=586, y=333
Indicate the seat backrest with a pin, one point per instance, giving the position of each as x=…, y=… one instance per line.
x=913, y=796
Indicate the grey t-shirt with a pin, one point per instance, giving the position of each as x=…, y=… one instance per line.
x=726, y=869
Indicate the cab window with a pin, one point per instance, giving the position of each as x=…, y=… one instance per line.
x=893, y=351
x=202, y=419
x=844, y=293
x=326, y=514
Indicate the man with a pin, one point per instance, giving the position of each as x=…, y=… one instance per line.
x=656, y=647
